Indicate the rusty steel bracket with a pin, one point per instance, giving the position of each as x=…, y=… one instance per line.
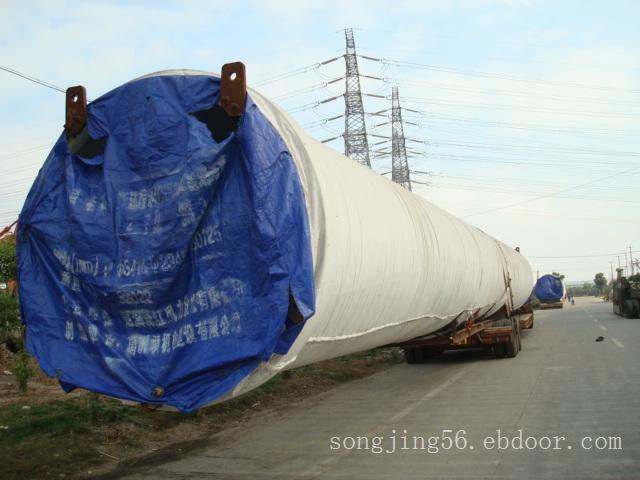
x=76, y=111
x=233, y=88
x=75, y=127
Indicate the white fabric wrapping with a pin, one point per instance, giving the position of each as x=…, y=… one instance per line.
x=389, y=266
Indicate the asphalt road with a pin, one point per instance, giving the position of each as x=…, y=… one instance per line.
x=577, y=398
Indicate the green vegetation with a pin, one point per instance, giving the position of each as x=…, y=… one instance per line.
x=46, y=440
x=597, y=288
x=9, y=311
x=587, y=289
x=11, y=329
x=57, y=418
x=21, y=369
x=9, y=317
x=8, y=264
x=600, y=282
x=66, y=438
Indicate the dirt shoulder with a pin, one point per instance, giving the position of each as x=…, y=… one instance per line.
x=45, y=433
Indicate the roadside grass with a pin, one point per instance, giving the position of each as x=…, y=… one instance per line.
x=87, y=435
x=50, y=439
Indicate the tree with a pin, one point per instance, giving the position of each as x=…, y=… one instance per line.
x=600, y=281
x=8, y=264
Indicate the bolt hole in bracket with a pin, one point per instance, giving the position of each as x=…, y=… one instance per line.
x=224, y=118
x=75, y=126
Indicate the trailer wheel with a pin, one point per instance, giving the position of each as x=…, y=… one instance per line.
x=431, y=352
x=410, y=355
x=513, y=346
x=636, y=308
x=627, y=311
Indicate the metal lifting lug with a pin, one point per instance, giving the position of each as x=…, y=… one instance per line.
x=75, y=127
x=76, y=111
x=233, y=88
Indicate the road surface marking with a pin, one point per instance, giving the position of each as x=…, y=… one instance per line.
x=603, y=328
x=390, y=422
x=617, y=342
x=595, y=320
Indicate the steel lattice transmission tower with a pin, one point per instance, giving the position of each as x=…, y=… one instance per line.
x=399, y=162
x=356, y=145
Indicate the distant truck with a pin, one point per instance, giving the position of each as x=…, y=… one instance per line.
x=550, y=290
x=626, y=295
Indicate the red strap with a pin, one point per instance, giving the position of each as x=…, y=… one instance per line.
x=6, y=230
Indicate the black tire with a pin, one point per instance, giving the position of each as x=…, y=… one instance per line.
x=498, y=350
x=419, y=355
x=428, y=353
x=636, y=308
x=628, y=308
x=512, y=347
x=410, y=355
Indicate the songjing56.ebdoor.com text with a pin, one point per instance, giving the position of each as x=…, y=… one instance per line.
x=449, y=439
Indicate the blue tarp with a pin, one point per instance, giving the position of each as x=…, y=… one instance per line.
x=549, y=288
x=160, y=271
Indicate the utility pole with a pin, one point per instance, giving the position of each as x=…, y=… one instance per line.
x=356, y=145
x=399, y=164
x=631, y=260
x=611, y=265
x=626, y=263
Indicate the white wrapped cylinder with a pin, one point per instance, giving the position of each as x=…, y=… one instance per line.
x=389, y=266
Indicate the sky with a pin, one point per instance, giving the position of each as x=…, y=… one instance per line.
x=524, y=115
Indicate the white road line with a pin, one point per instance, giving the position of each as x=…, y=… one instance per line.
x=391, y=421
x=603, y=328
x=617, y=342
x=595, y=320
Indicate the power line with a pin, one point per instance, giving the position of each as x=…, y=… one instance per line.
x=579, y=256
x=564, y=218
x=32, y=79
x=21, y=153
x=483, y=179
x=548, y=194
x=497, y=190
x=293, y=73
x=302, y=91
x=443, y=117
x=525, y=108
x=500, y=76
x=583, y=164
x=555, y=149
x=507, y=93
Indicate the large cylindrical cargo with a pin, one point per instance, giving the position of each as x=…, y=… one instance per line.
x=186, y=263
x=550, y=288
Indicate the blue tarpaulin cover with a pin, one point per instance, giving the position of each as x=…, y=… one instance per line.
x=160, y=271
x=549, y=288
